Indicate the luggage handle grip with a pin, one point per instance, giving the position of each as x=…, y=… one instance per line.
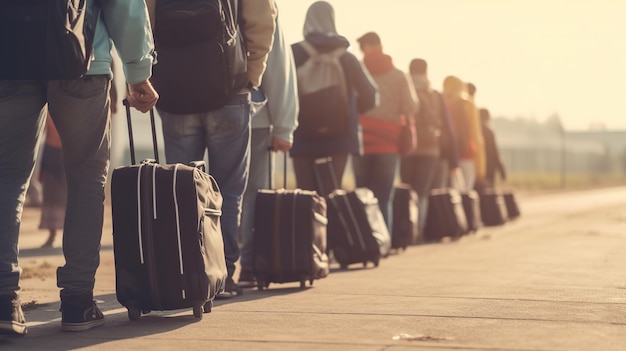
x=271, y=168
x=130, y=134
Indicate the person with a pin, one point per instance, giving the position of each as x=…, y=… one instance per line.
x=436, y=147
x=321, y=33
x=224, y=133
x=470, y=139
x=272, y=127
x=493, y=163
x=80, y=110
x=376, y=168
x=52, y=179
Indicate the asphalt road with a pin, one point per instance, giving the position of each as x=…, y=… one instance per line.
x=555, y=279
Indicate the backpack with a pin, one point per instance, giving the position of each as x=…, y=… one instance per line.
x=46, y=39
x=202, y=61
x=323, y=94
x=427, y=120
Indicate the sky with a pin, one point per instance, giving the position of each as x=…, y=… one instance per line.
x=531, y=58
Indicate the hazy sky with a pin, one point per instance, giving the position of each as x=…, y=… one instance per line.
x=530, y=58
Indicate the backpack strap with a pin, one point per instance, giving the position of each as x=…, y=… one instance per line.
x=309, y=48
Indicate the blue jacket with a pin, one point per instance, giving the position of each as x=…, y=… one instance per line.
x=280, y=88
x=125, y=23
x=363, y=97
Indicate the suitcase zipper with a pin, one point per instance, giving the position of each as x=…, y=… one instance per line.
x=293, y=231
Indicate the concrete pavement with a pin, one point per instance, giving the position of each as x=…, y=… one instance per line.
x=553, y=280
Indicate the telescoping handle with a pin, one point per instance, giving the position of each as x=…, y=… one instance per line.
x=271, y=168
x=130, y=134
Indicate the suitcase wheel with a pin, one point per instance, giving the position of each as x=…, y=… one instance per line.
x=343, y=266
x=134, y=313
x=364, y=264
x=198, y=310
x=311, y=281
x=208, y=306
x=302, y=284
x=376, y=262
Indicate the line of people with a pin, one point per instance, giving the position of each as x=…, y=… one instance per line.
x=238, y=132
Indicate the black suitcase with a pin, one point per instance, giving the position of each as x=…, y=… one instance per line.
x=471, y=207
x=167, y=241
x=492, y=208
x=405, y=216
x=357, y=232
x=289, y=236
x=511, y=205
x=445, y=217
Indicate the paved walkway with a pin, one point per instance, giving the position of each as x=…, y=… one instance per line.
x=553, y=280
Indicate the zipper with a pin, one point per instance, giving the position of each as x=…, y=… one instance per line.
x=153, y=277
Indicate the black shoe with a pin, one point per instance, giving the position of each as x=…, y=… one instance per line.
x=230, y=290
x=80, y=313
x=12, y=321
x=246, y=279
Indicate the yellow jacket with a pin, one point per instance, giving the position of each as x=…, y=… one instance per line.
x=455, y=92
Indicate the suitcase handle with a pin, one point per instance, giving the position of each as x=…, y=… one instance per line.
x=130, y=134
x=271, y=168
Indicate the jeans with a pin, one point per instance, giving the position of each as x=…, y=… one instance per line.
x=378, y=172
x=259, y=178
x=80, y=110
x=225, y=135
x=419, y=172
x=468, y=167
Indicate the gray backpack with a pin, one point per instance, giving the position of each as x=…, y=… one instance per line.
x=323, y=94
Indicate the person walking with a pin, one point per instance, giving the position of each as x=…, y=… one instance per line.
x=436, y=142
x=321, y=38
x=52, y=179
x=80, y=110
x=273, y=124
x=196, y=123
x=469, y=132
x=494, y=164
x=376, y=168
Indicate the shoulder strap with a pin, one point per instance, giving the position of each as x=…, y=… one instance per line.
x=309, y=48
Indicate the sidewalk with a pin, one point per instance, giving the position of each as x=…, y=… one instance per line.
x=553, y=280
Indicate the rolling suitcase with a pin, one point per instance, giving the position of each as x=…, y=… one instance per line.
x=471, y=207
x=289, y=236
x=492, y=208
x=357, y=232
x=445, y=217
x=167, y=241
x=512, y=208
x=405, y=217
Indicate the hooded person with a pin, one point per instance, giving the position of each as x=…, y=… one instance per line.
x=320, y=37
x=470, y=142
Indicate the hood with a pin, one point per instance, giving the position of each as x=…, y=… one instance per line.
x=453, y=87
x=320, y=18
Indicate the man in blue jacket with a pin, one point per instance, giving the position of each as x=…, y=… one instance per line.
x=80, y=109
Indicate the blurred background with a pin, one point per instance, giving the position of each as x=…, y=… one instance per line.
x=551, y=73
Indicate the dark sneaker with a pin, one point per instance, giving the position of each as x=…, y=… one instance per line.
x=231, y=289
x=12, y=321
x=246, y=279
x=80, y=314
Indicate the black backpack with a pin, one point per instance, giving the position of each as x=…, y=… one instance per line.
x=202, y=60
x=46, y=39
